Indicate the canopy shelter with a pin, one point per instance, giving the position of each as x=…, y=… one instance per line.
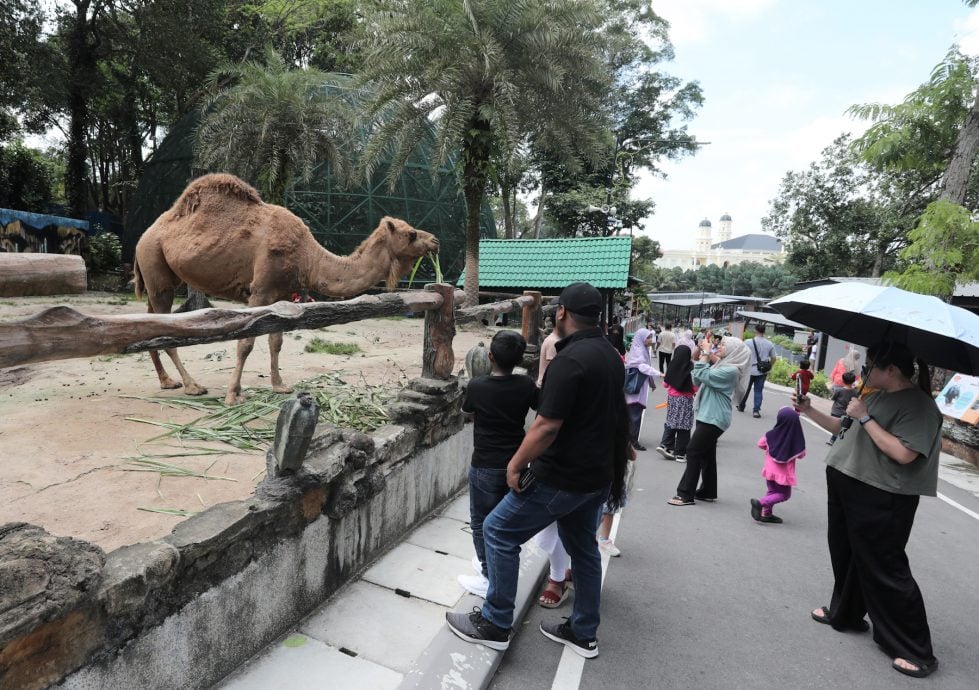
x=770, y=317
x=684, y=306
x=550, y=265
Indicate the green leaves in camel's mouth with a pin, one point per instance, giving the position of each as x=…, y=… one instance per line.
x=434, y=258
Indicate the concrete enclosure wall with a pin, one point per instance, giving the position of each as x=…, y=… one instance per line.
x=187, y=609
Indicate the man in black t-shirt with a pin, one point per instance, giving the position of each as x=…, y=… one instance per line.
x=499, y=404
x=575, y=451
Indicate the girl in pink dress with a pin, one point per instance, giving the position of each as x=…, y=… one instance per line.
x=783, y=445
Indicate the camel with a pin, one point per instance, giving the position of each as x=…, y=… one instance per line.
x=221, y=238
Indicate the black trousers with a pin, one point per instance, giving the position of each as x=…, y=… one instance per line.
x=868, y=532
x=701, y=464
x=675, y=439
x=664, y=360
x=635, y=420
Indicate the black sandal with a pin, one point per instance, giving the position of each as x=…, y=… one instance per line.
x=922, y=670
x=821, y=615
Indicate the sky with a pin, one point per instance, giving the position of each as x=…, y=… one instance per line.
x=778, y=77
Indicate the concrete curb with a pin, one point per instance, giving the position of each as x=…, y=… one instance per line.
x=450, y=662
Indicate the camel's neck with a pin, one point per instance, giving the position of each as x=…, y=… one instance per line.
x=347, y=276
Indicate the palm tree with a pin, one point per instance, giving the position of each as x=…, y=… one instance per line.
x=488, y=76
x=268, y=123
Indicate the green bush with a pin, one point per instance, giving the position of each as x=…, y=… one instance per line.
x=782, y=371
x=104, y=252
x=787, y=343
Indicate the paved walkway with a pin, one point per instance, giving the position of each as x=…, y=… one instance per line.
x=387, y=628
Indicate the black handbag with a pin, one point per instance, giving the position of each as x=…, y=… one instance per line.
x=763, y=367
x=633, y=380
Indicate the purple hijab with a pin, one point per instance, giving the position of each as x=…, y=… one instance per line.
x=786, y=440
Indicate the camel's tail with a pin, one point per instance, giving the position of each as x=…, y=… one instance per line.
x=137, y=280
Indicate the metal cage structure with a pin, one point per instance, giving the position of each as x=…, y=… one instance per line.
x=340, y=218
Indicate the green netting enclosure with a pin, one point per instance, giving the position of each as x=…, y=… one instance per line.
x=339, y=218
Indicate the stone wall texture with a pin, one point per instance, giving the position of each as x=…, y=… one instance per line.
x=185, y=610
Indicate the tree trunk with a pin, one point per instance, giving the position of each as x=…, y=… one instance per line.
x=474, y=198
x=41, y=274
x=508, y=232
x=955, y=183
x=80, y=68
x=539, y=218
x=63, y=333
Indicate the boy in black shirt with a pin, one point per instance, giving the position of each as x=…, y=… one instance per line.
x=499, y=404
x=842, y=395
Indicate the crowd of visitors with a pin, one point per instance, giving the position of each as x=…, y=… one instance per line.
x=563, y=480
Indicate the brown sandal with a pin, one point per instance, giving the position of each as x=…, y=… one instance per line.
x=550, y=599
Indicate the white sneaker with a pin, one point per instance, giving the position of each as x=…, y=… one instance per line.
x=474, y=584
x=665, y=452
x=477, y=566
x=680, y=458
x=609, y=547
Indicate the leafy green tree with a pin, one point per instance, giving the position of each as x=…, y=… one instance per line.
x=26, y=179
x=269, y=123
x=647, y=109
x=838, y=217
x=20, y=33
x=487, y=75
x=932, y=138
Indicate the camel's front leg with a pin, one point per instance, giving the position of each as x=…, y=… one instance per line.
x=191, y=387
x=234, y=395
x=166, y=383
x=275, y=345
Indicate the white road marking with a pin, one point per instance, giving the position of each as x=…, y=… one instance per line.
x=572, y=665
x=961, y=507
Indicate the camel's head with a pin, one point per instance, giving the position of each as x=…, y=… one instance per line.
x=406, y=245
x=407, y=242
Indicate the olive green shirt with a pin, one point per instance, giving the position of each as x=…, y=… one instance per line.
x=914, y=418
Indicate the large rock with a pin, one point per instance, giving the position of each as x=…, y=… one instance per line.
x=50, y=622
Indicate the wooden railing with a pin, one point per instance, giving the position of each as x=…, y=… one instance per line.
x=64, y=333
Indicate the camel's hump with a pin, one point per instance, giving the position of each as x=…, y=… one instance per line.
x=221, y=184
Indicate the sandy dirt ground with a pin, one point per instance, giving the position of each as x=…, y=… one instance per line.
x=65, y=433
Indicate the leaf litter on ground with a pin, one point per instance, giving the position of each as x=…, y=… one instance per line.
x=250, y=426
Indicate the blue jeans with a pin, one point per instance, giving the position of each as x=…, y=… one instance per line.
x=487, y=487
x=758, y=381
x=518, y=518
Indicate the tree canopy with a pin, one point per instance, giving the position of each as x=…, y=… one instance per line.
x=485, y=75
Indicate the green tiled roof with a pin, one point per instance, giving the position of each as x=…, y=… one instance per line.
x=601, y=261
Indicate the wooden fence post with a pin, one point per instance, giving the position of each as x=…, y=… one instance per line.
x=531, y=319
x=440, y=328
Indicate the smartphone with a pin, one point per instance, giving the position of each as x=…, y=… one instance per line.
x=526, y=479
x=799, y=395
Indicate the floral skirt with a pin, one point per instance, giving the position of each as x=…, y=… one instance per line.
x=679, y=412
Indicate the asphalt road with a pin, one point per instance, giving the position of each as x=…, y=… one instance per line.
x=704, y=597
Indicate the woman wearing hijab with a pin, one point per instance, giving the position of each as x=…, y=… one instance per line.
x=638, y=358
x=848, y=362
x=722, y=376
x=616, y=336
x=679, y=405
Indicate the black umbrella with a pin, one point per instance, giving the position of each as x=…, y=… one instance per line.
x=939, y=333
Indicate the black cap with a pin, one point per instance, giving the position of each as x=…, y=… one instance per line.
x=581, y=298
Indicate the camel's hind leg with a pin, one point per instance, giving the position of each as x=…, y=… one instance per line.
x=161, y=304
x=275, y=345
x=234, y=395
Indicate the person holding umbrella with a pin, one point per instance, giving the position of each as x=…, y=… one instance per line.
x=876, y=473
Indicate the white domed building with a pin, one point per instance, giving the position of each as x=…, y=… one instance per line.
x=722, y=249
